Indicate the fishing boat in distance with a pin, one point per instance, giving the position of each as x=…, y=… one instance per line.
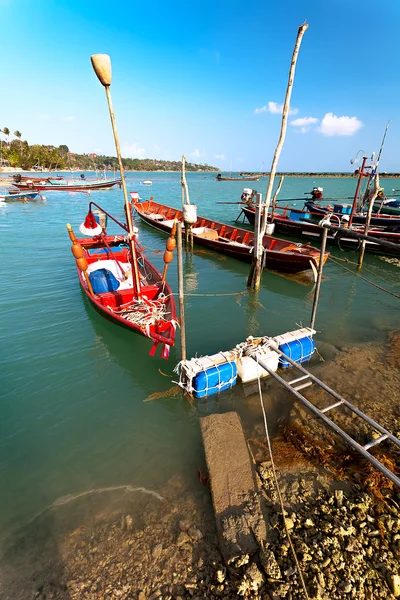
x=13, y=195
x=280, y=255
x=242, y=178
x=127, y=290
x=68, y=185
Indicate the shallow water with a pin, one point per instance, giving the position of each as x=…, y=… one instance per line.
x=73, y=386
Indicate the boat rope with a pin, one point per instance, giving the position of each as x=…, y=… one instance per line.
x=212, y=295
x=277, y=485
x=351, y=262
x=364, y=278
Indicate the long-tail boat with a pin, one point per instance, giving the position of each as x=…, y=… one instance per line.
x=389, y=221
x=16, y=195
x=280, y=255
x=125, y=289
x=66, y=185
x=242, y=178
x=292, y=221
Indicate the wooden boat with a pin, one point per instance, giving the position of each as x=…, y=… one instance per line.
x=127, y=291
x=280, y=255
x=243, y=178
x=390, y=206
x=11, y=195
x=291, y=221
x=65, y=185
x=391, y=222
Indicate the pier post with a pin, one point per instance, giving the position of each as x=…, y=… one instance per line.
x=319, y=278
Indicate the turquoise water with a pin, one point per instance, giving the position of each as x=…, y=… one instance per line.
x=74, y=414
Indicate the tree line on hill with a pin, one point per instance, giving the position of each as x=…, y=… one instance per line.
x=18, y=153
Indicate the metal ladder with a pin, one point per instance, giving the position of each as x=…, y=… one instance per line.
x=308, y=379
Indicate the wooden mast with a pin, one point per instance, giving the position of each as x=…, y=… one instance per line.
x=102, y=67
x=254, y=279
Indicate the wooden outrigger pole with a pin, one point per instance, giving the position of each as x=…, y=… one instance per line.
x=102, y=67
x=254, y=279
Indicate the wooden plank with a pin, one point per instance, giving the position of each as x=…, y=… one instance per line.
x=238, y=515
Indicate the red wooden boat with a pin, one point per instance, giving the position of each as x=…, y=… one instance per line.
x=280, y=255
x=126, y=290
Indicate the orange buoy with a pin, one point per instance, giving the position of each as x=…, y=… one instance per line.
x=77, y=250
x=170, y=247
x=82, y=263
x=171, y=244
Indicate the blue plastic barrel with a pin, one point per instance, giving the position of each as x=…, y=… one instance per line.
x=214, y=379
x=103, y=280
x=298, y=350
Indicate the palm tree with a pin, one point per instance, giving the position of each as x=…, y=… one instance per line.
x=18, y=135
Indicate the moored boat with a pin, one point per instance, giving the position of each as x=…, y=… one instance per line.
x=280, y=255
x=125, y=289
x=242, y=178
x=291, y=221
x=13, y=195
x=68, y=185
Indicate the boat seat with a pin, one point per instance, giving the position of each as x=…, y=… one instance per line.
x=156, y=216
x=288, y=248
x=205, y=232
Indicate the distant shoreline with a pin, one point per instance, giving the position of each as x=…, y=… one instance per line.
x=11, y=170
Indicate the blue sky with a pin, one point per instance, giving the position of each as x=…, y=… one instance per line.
x=206, y=79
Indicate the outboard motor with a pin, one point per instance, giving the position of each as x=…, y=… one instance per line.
x=248, y=195
x=316, y=193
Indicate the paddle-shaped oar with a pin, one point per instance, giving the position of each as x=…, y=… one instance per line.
x=102, y=67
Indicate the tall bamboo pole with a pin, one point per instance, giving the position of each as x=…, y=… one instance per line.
x=275, y=198
x=181, y=291
x=102, y=67
x=256, y=267
x=372, y=199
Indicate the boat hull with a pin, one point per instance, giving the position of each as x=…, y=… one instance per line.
x=280, y=255
x=111, y=304
x=390, y=222
x=69, y=186
x=311, y=230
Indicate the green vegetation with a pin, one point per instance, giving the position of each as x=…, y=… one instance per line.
x=18, y=153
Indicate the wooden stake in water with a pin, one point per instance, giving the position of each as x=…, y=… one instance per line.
x=102, y=67
x=372, y=199
x=319, y=279
x=186, y=201
x=258, y=249
x=180, y=290
x=256, y=267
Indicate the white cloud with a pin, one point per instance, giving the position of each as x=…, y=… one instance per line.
x=44, y=117
x=195, y=154
x=69, y=118
x=275, y=109
x=304, y=121
x=219, y=156
x=333, y=125
x=156, y=148
x=133, y=150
